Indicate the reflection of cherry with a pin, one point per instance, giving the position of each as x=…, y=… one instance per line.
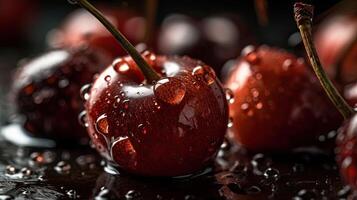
x=156, y=115
x=46, y=91
x=336, y=43
x=81, y=28
x=277, y=102
x=214, y=39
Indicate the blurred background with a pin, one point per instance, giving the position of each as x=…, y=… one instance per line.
x=28, y=27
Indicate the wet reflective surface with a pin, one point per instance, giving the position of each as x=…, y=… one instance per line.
x=77, y=173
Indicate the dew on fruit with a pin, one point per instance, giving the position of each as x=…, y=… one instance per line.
x=125, y=104
x=101, y=125
x=107, y=78
x=287, y=64
x=253, y=190
x=252, y=58
x=63, y=167
x=85, y=91
x=205, y=74
x=123, y=152
x=117, y=100
x=121, y=66
x=82, y=119
x=150, y=57
x=259, y=105
x=229, y=95
x=170, y=90
x=230, y=122
x=260, y=163
x=244, y=106
x=41, y=158
x=142, y=129
x=63, y=83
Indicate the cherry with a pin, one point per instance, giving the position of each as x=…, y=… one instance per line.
x=15, y=18
x=336, y=43
x=156, y=115
x=46, y=91
x=346, y=140
x=214, y=39
x=276, y=103
x=81, y=28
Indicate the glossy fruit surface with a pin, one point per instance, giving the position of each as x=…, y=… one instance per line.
x=81, y=28
x=171, y=128
x=46, y=91
x=346, y=151
x=332, y=36
x=214, y=39
x=276, y=103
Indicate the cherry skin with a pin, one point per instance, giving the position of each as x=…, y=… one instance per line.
x=81, y=28
x=346, y=151
x=214, y=39
x=46, y=91
x=171, y=128
x=331, y=38
x=276, y=103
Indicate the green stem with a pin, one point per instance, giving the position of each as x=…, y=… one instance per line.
x=303, y=18
x=150, y=75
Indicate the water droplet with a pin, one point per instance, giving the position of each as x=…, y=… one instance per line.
x=121, y=66
x=259, y=105
x=82, y=119
x=38, y=159
x=117, y=100
x=132, y=194
x=229, y=95
x=142, y=129
x=260, y=163
x=107, y=78
x=206, y=74
x=102, y=125
x=72, y=2
x=252, y=58
x=63, y=83
x=230, y=122
x=85, y=91
x=10, y=170
x=287, y=64
x=255, y=92
x=150, y=57
x=125, y=104
x=344, y=192
x=271, y=174
x=25, y=172
x=123, y=152
x=244, y=106
x=72, y=194
x=29, y=89
x=62, y=167
x=170, y=90
x=103, y=194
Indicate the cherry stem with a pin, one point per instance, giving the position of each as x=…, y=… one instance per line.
x=342, y=56
x=150, y=75
x=303, y=18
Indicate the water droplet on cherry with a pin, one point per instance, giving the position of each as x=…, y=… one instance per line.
x=102, y=125
x=170, y=90
x=85, y=91
x=82, y=118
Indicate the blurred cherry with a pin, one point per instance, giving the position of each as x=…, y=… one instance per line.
x=81, y=28
x=16, y=16
x=156, y=115
x=46, y=90
x=336, y=43
x=276, y=103
x=214, y=39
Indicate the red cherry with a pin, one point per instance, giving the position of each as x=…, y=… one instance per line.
x=214, y=39
x=332, y=37
x=81, y=28
x=46, y=91
x=277, y=104
x=170, y=128
x=346, y=151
